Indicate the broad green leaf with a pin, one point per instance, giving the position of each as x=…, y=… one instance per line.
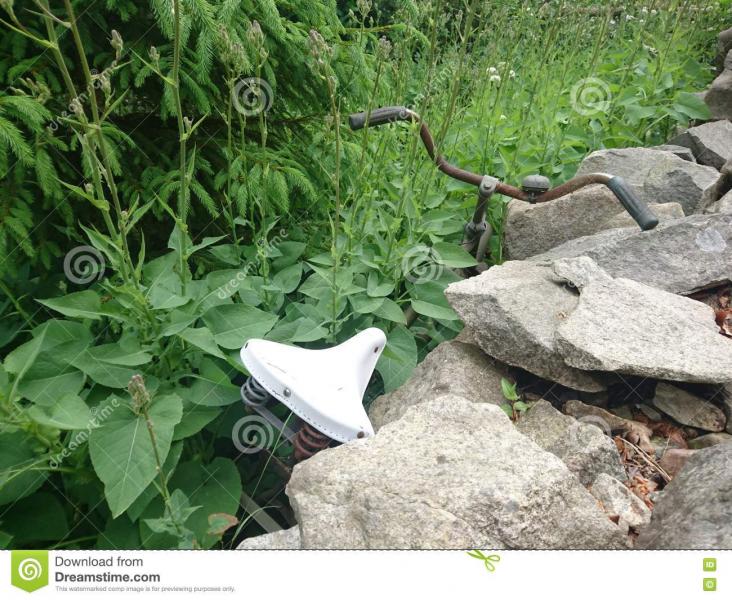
x=391, y=311
x=376, y=289
x=119, y=534
x=452, y=255
x=122, y=453
x=364, y=304
x=288, y=278
x=212, y=387
x=202, y=338
x=48, y=379
x=21, y=473
x=153, y=490
x=692, y=106
x=126, y=352
x=434, y=311
x=84, y=305
x=290, y=252
x=38, y=518
x=103, y=373
x=68, y=412
x=233, y=324
x=509, y=390
x=215, y=487
x=398, y=359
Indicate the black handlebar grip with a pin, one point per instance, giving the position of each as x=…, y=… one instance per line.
x=635, y=206
x=379, y=116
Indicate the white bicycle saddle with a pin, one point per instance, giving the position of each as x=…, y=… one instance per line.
x=323, y=387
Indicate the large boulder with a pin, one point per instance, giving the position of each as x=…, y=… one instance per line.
x=723, y=205
x=694, y=511
x=655, y=175
x=534, y=228
x=688, y=409
x=679, y=256
x=719, y=95
x=284, y=539
x=623, y=326
x=451, y=368
x=711, y=142
x=584, y=448
x=680, y=151
x=514, y=310
x=449, y=474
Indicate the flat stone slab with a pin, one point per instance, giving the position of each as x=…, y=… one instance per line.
x=626, y=327
x=679, y=256
x=451, y=368
x=711, y=142
x=513, y=311
x=688, y=409
x=655, y=175
x=449, y=474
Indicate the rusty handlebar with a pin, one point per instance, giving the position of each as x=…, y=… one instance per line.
x=623, y=192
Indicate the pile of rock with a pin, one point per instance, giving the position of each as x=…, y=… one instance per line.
x=598, y=315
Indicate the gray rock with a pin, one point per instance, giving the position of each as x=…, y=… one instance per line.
x=723, y=205
x=608, y=423
x=680, y=151
x=585, y=449
x=655, y=175
x=711, y=142
x=679, y=256
x=451, y=368
x=695, y=509
x=533, y=228
x=719, y=95
x=449, y=474
x=723, y=47
x=513, y=310
x=664, y=212
x=619, y=501
x=623, y=326
x=689, y=409
x=709, y=440
x=285, y=539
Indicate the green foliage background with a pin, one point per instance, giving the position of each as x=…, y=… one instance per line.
x=119, y=132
